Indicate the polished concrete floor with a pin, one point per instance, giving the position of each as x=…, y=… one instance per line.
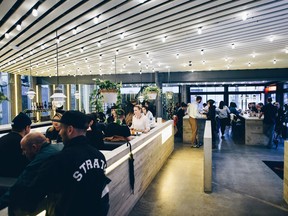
x=242, y=183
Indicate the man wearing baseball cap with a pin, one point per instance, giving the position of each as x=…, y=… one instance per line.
x=76, y=175
x=12, y=161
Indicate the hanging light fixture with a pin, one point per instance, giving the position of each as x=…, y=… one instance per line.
x=31, y=93
x=58, y=96
x=76, y=94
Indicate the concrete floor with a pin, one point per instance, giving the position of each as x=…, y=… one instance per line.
x=242, y=183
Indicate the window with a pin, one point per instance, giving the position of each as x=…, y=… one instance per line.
x=5, y=105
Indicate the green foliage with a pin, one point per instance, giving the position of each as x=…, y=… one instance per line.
x=108, y=85
x=149, y=90
x=154, y=88
x=96, y=98
x=3, y=97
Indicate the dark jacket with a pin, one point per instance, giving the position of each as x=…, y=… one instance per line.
x=52, y=134
x=12, y=161
x=113, y=129
x=30, y=172
x=75, y=176
x=270, y=113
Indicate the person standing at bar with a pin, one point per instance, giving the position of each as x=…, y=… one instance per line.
x=270, y=113
x=12, y=161
x=193, y=112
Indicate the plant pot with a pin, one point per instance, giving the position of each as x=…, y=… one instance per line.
x=109, y=96
x=152, y=95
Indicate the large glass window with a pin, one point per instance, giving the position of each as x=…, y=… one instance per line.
x=205, y=97
x=207, y=89
x=245, y=88
x=242, y=100
x=5, y=111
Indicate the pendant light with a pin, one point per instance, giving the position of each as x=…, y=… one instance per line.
x=58, y=96
x=141, y=97
x=76, y=94
x=31, y=93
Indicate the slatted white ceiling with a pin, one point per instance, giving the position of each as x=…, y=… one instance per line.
x=261, y=41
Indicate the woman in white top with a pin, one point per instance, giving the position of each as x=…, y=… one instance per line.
x=223, y=113
x=139, y=121
x=148, y=114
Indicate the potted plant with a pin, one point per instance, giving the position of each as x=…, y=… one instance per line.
x=151, y=92
x=105, y=92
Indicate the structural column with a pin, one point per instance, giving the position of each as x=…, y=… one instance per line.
x=16, y=94
x=159, y=106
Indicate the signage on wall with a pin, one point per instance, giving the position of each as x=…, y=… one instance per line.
x=270, y=89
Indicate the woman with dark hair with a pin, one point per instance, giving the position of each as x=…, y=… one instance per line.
x=223, y=113
x=95, y=132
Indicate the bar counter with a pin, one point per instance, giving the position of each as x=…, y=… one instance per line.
x=187, y=133
x=150, y=152
x=253, y=130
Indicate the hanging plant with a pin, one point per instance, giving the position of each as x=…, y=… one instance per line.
x=3, y=97
x=151, y=92
x=105, y=92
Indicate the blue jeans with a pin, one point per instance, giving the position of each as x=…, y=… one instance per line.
x=268, y=130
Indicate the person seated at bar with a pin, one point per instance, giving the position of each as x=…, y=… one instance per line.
x=130, y=112
x=52, y=133
x=36, y=149
x=148, y=114
x=118, y=130
x=72, y=181
x=140, y=122
x=95, y=132
x=12, y=161
x=233, y=109
x=112, y=115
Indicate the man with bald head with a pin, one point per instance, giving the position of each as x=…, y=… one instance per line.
x=37, y=150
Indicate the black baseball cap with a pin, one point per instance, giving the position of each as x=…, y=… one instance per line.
x=74, y=118
x=21, y=121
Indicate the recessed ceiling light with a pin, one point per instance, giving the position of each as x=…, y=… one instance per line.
x=199, y=31
x=35, y=12
x=7, y=36
x=274, y=61
x=244, y=16
x=164, y=38
x=18, y=27
x=202, y=51
x=74, y=31
x=99, y=44
x=177, y=55
x=135, y=46
x=233, y=46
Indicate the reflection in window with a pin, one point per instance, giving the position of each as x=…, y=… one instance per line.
x=5, y=105
x=245, y=88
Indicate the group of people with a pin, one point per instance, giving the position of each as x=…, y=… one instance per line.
x=67, y=179
x=70, y=181
x=221, y=117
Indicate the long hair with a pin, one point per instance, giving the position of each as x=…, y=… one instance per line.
x=221, y=104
